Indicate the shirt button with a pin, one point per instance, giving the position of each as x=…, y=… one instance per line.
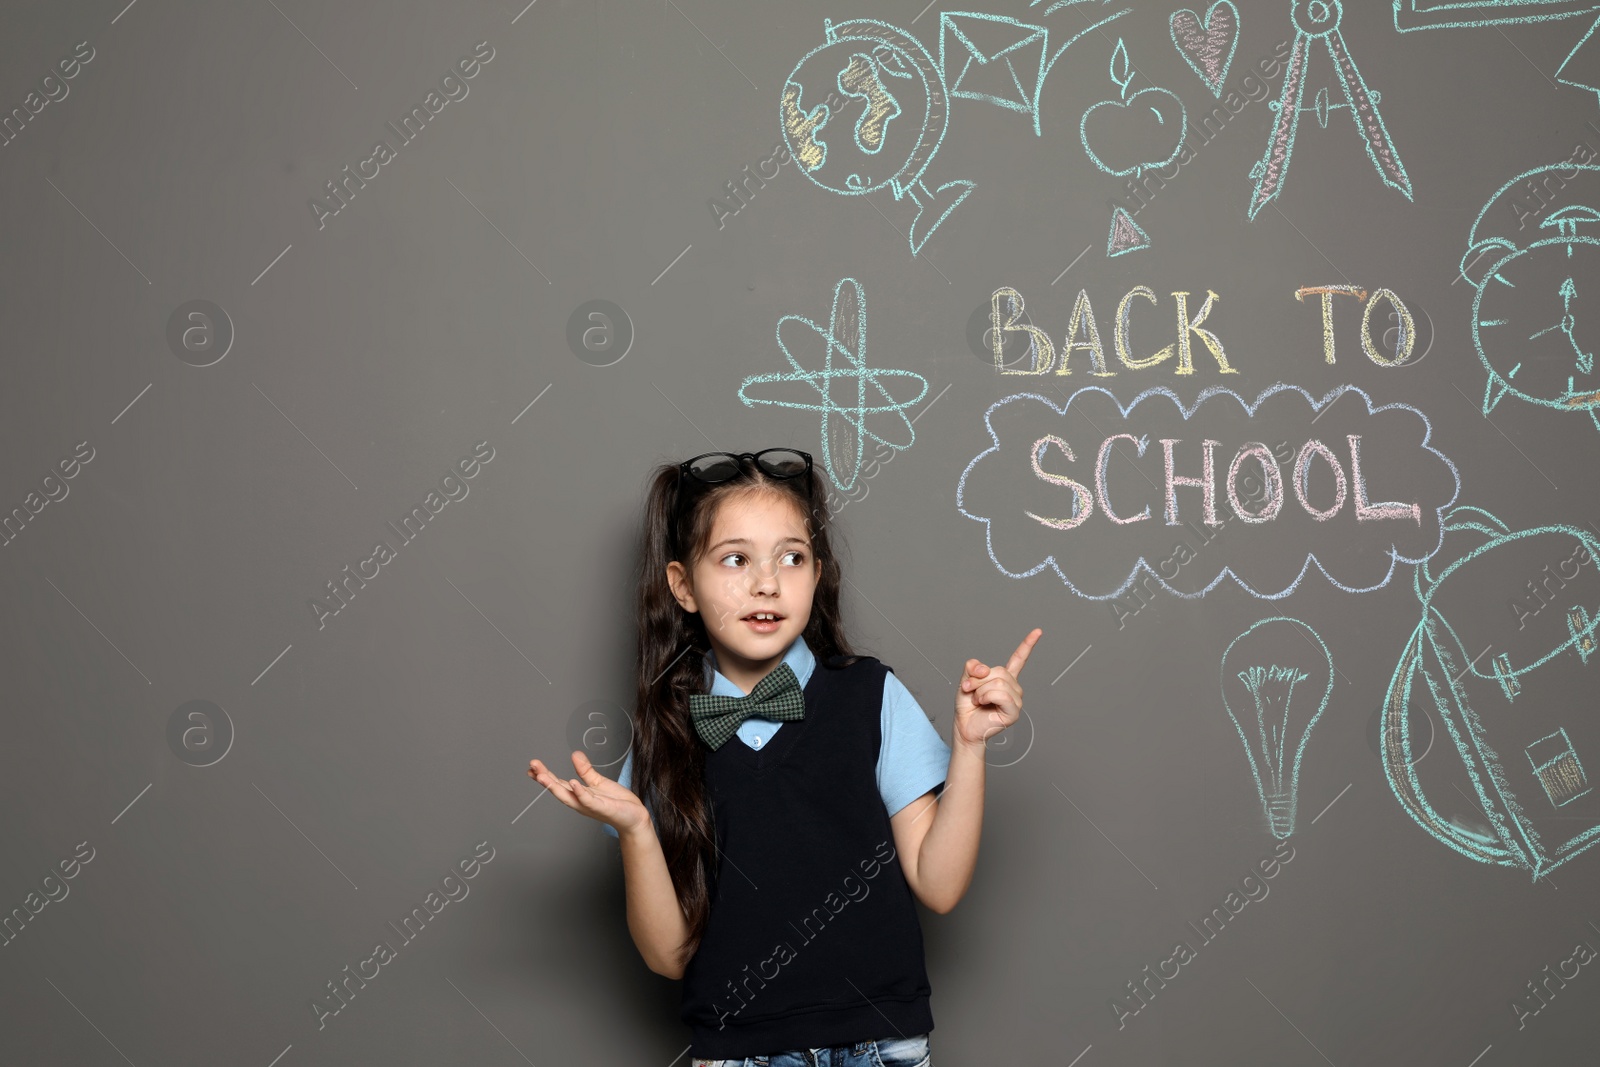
x=758, y=742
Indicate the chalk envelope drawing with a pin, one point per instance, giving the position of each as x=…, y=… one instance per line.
x=1207, y=44
x=1505, y=692
x=903, y=112
x=1535, y=312
x=846, y=334
x=1412, y=15
x=1276, y=680
x=1317, y=22
x=993, y=58
x=1001, y=60
x=1064, y=483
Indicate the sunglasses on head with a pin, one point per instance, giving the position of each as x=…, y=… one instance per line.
x=714, y=468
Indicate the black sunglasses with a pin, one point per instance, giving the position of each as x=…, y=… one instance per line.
x=714, y=468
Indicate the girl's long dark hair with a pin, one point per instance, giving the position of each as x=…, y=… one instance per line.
x=668, y=756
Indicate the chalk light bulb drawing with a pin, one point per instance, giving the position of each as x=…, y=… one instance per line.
x=1276, y=680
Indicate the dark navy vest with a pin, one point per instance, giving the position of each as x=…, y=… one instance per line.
x=813, y=938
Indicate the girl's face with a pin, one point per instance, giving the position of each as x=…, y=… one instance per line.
x=758, y=563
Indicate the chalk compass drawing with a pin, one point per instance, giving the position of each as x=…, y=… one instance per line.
x=1317, y=22
x=847, y=334
x=1506, y=694
x=1412, y=15
x=1534, y=310
x=1207, y=44
x=1276, y=680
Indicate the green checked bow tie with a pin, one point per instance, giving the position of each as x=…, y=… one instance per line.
x=777, y=696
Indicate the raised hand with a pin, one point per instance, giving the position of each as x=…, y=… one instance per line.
x=989, y=699
x=593, y=794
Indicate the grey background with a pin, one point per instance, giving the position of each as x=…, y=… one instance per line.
x=372, y=754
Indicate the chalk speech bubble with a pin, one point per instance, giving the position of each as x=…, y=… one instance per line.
x=1111, y=492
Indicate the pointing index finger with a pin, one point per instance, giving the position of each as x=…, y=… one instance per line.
x=1020, y=656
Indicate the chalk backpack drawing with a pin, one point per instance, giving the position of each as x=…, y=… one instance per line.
x=1502, y=667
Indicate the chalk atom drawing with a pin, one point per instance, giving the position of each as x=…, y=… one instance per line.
x=846, y=334
x=1208, y=44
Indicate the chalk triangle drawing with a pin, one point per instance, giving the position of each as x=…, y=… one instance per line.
x=1125, y=236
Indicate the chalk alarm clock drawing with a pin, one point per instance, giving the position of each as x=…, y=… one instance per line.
x=1533, y=315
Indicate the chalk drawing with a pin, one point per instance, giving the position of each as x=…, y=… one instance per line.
x=1412, y=15
x=1534, y=311
x=1581, y=68
x=904, y=109
x=1395, y=532
x=1540, y=806
x=1207, y=45
x=1125, y=236
x=1138, y=130
x=847, y=334
x=1556, y=765
x=1001, y=60
x=901, y=97
x=1044, y=352
x=1276, y=680
x=1317, y=21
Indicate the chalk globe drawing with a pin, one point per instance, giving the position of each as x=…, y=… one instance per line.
x=888, y=133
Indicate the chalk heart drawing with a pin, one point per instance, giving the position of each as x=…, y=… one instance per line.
x=1207, y=45
x=1514, y=688
x=846, y=334
x=1276, y=680
x=1095, y=489
x=900, y=107
x=1536, y=311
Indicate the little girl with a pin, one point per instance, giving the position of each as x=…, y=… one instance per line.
x=792, y=798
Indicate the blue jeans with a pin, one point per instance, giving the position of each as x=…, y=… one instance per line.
x=884, y=1052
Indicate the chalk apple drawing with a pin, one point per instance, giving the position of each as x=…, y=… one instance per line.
x=1138, y=131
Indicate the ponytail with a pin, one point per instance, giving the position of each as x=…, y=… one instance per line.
x=668, y=756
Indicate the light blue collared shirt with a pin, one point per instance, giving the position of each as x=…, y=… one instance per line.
x=912, y=760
